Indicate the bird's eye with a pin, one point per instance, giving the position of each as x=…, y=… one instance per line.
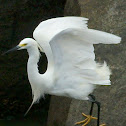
x=22, y=45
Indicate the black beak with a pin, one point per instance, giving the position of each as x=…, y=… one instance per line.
x=11, y=50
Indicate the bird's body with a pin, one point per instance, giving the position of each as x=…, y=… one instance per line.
x=45, y=31
x=72, y=70
x=70, y=36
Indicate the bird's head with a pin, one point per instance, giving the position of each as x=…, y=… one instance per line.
x=25, y=44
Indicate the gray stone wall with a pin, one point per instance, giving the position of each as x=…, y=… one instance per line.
x=109, y=16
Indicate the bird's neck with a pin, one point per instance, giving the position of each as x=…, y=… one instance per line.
x=32, y=66
x=35, y=78
x=40, y=83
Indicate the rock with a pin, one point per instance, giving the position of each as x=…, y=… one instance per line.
x=58, y=111
x=70, y=6
x=109, y=16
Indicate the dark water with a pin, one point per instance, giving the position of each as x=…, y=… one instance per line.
x=19, y=123
x=18, y=19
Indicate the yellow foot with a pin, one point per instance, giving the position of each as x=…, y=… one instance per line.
x=87, y=120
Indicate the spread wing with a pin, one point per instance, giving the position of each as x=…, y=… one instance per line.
x=74, y=56
x=46, y=30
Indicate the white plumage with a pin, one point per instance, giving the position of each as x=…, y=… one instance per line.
x=72, y=70
x=72, y=55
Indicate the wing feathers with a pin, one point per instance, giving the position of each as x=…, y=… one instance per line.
x=96, y=37
x=91, y=36
x=74, y=54
x=46, y=30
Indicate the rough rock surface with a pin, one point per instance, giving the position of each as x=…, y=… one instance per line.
x=59, y=109
x=109, y=16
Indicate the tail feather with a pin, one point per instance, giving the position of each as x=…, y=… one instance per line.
x=104, y=72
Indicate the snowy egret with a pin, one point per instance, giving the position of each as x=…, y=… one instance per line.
x=72, y=70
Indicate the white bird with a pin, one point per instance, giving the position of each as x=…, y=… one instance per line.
x=72, y=70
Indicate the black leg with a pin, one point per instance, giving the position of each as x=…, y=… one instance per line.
x=98, y=116
x=92, y=99
x=91, y=110
x=90, y=117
